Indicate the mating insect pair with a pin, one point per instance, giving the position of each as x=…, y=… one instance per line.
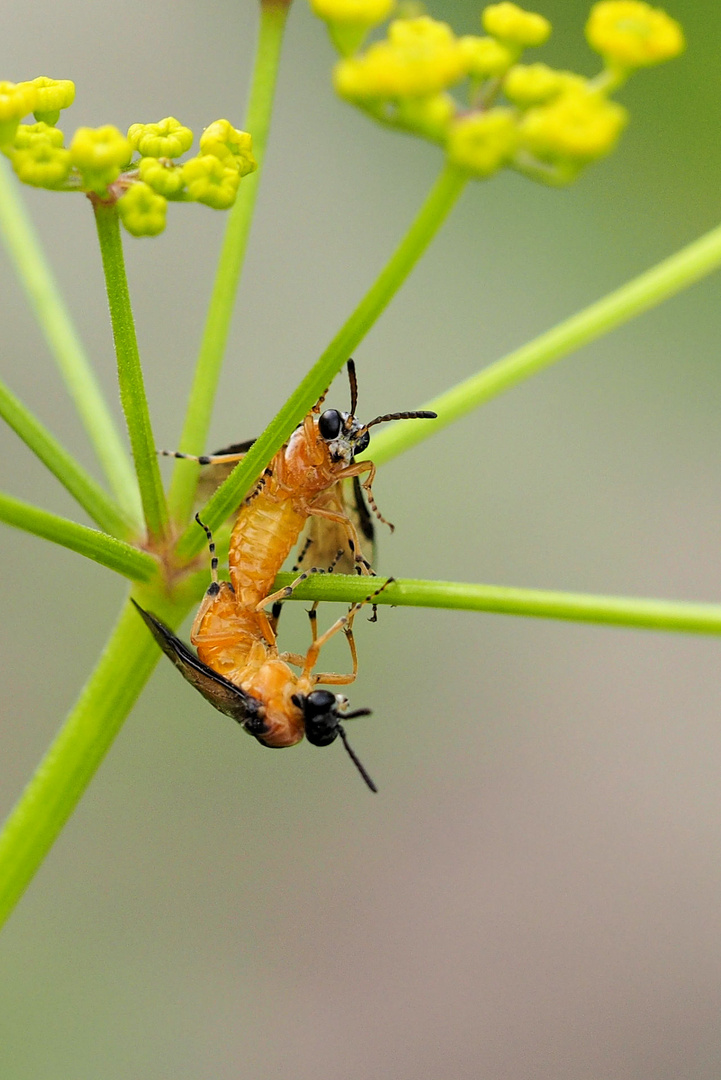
x=238, y=667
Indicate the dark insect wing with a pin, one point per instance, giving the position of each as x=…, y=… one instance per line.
x=212, y=476
x=326, y=538
x=223, y=695
x=362, y=517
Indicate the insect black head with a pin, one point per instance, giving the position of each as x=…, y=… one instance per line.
x=322, y=719
x=361, y=443
x=320, y=714
x=330, y=424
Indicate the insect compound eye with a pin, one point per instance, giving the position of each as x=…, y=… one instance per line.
x=321, y=717
x=329, y=426
x=362, y=443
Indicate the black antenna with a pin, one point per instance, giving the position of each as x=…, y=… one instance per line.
x=354, y=759
x=422, y=414
x=353, y=386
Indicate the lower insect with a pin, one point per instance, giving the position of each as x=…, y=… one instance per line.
x=242, y=674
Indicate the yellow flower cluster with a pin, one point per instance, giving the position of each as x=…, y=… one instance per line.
x=419, y=57
x=42, y=96
x=631, y=34
x=543, y=122
x=100, y=160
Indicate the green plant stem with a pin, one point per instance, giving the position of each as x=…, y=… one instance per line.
x=63, y=465
x=634, y=612
x=431, y=216
x=217, y=326
x=130, y=374
x=669, y=277
x=101, y=548
x=72, y=760
x=43, y=293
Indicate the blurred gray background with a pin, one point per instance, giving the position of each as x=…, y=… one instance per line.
x=535, y=891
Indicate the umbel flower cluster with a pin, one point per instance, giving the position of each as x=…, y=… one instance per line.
x=546, y=123
x=102, y=162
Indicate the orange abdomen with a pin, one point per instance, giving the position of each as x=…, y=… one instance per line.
x=261, y=540
x=227, y=639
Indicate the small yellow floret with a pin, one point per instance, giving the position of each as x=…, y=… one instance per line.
x=534, y=84
x=512, y=24
x=483, y=142
x=168, y=138
x=99, y=148
x=485, y=57
x=29, y=134
x=420, y=58
x=42, y=164
x=142, y=210
x=52, y=96
x=99, y=153
x=358, y=12
x=231, y=146
x=631, y=34
x=16, y=100
x=578, y=127
x=161, y=176
x=209, y=181
x=429, y=117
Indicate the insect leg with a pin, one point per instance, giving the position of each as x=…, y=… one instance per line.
x=345, y=623
x=278, y=604
x=214, y=589
x=203, y=459
x=282, y=594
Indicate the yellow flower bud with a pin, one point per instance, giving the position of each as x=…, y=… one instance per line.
x=485, y=57
x=168, y=138
x=16, y=101
x=358, y=12
x=99, y=148
x=142, y=210
x=420, y=58
x=429, y=116
x=534, y=84
x=42, y=164
x=52, y=96
x=630, y=34
x=209, y=181
x=29, y=134
x=161, y=176
x=510, y=23
x=231, y=146
x=482, y=142
x=579, y=127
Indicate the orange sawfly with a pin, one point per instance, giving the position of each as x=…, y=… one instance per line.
x=242, y=674
x=304, y=483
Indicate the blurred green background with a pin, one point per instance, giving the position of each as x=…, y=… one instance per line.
x=535, y=891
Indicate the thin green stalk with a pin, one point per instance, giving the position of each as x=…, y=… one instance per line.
x=43, y=293
x=130, y=373
x=217, y=326
x=649, y=289
x=99, y=506
x=633, y=612
x=101, y=548
x=72, y=760
x=431, y=216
